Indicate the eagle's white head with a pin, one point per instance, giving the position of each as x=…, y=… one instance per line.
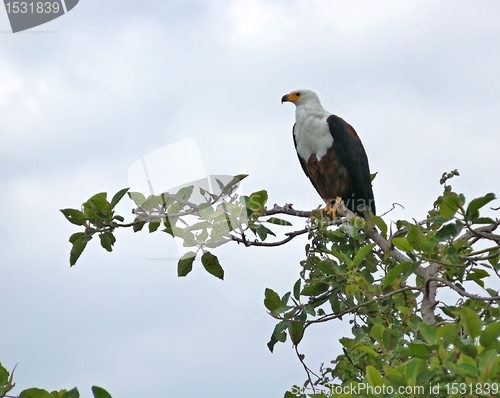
x=302, y=97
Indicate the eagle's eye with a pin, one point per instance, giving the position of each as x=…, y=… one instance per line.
x=297, y=94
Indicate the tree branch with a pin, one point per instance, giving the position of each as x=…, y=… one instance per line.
x=478, y=232
x=288, y=210
x=429, y=300
x=461, y=291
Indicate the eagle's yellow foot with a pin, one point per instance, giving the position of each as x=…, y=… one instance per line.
x=331, y=211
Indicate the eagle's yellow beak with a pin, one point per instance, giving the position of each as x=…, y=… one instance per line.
x=292, y=97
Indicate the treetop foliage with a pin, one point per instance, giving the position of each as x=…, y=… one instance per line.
x=7, y=384
x=421, y=296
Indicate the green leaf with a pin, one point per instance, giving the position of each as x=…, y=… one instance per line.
x=71, y=394
x=74, y=216
x=471, y=322
x=428, y=333
x=390, y=339
x=327, y=266
x=452, y=254
x=449, y=206
x=377, y=332
x=315, y=289
x=272, y=342
x=482, y=220
x=477, y=275
x=335, y=303
x=374, y=377
x=78, y=248
x=413, y=369
x=402, y=244
x=367, y=275
x=296, y=290
x=185, y=192
x=77, y=235
x=35, y=393
x=4, y=376
x=118, y=196
x=494, y=260
x=418, y=350
x=205, y=211
x=272, y=300
x=367, y=349
x=346, y=342
x=380, y=223
x=426, y=376
x=279, y=331
x=211, y=264
x=100, y=392
x=256, y=202
x=279, y=334
x=490, y=334
x=137, y=197
x=476, y=204
x=296, y=331
x=98, y=202
x=466, y=359
x=396, y=271
x=237, y=178
x=467, y=349
x=261, y=232
x=285, y=298
x=362, y=253
x=167, y=222
x=107, y=240
x=394, y=376
x=154, y=225
x=487, y=363
x=138, y=225
x=185, y=264
x=448, y=231
x=279, y=221
x=468, y=369
x=416, y=237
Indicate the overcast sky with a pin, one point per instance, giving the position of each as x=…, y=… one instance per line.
x=85, y=96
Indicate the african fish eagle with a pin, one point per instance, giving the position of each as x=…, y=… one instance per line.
x=331, y=155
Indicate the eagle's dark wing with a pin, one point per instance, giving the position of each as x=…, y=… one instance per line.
x=352, y=155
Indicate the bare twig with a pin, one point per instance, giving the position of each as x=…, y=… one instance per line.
x=329, y=317
x=306, y=368
x=249, y=243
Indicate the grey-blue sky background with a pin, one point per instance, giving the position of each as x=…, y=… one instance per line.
x=86, y=95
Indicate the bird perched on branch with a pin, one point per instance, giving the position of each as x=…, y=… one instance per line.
x=331, y=155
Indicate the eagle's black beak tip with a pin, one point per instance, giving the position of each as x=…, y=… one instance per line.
x=284, y=98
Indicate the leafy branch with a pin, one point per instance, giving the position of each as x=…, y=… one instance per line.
x=386, y=283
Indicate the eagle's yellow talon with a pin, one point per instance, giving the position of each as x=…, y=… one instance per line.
x=331, y=211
